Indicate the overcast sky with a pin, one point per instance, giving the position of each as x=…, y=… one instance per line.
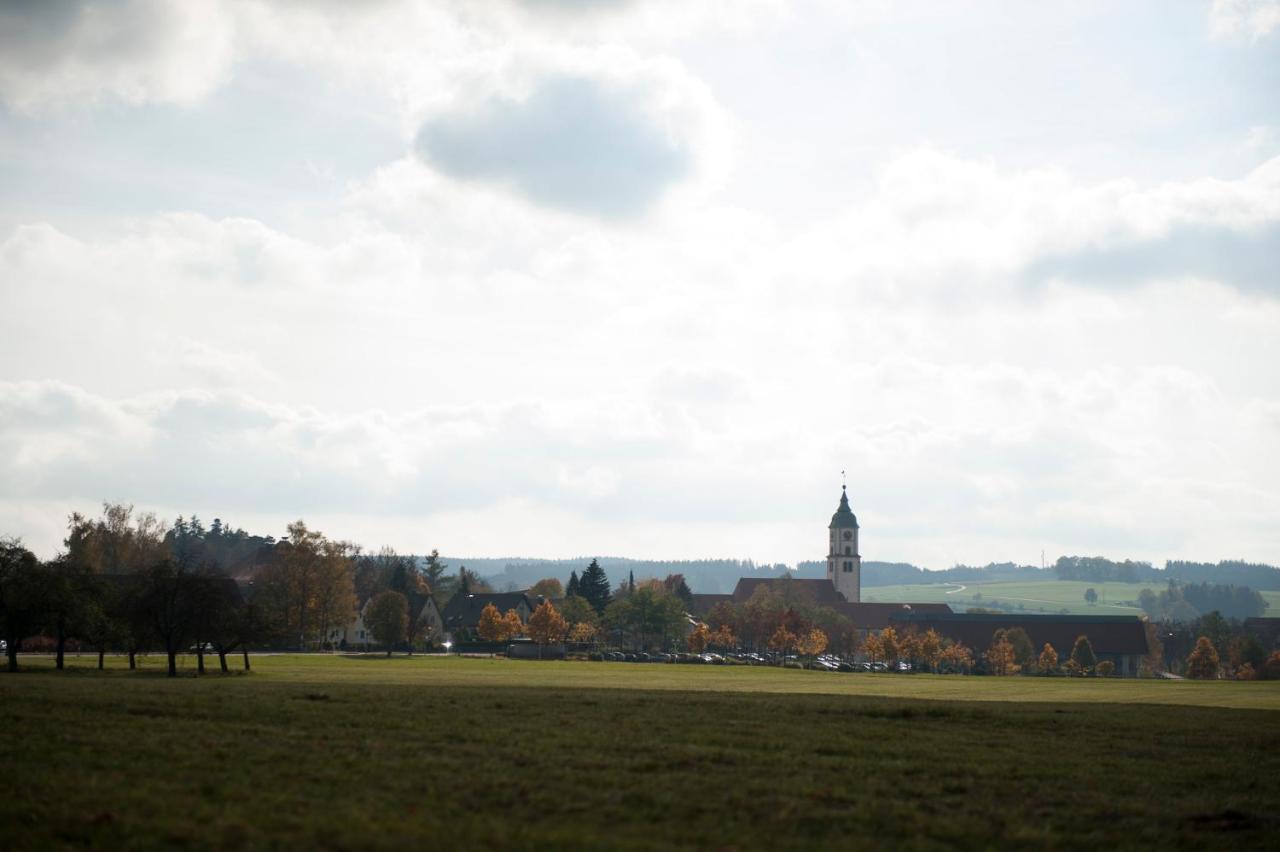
x=641, y=278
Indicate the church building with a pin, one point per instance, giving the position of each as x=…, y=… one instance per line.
x=844, y=564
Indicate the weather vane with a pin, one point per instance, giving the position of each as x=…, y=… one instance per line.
x=843, y=482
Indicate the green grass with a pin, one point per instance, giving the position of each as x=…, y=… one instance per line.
x=1035, y=596
x=369, y=752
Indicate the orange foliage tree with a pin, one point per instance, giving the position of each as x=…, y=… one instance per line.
x=873, y=648
x=492, y=628
x=514, y=626
x=698, y=638
x=583, y=633
x=1203, y=662
x=812, y=643
x=957, y=658
x=1048, y=662
x=1000, y=656
x=723, y=638
x=547, y=626
x=782, y=640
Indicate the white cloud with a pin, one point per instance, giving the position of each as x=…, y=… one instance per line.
x=1253, y=18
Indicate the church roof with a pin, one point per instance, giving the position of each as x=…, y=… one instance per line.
x=844, y=516
x=822, y=592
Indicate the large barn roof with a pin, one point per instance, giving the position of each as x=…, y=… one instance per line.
x=1108, y=634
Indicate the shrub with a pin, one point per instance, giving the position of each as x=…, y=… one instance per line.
x=1271, y=668
x=1246, y=672
x=1106, y=668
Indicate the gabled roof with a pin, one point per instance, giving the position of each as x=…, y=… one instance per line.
x=703, y=604
x=1108, y=634
x=877, y=616
x=464, y=610
x=823, y=592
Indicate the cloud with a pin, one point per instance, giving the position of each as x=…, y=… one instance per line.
x=1253, y=18
x=576, y=144
x=136, y=51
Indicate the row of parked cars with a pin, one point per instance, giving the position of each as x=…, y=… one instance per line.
x=825, y=662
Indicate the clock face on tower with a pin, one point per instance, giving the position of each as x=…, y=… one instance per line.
x=848, y=534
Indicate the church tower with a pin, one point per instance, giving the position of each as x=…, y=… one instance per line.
x=844, y=564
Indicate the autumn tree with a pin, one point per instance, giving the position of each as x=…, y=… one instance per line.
x=1024, y=652
x=1106, y=668
x=583, y=633
x=890, y=645
x=782, y=640
x=698, y=639
x=722, y=637
x=548, y=587
x=930, y=649
x=1000, y=656
x=873, y=648
x=1203, y=662
x=1082, y=654
x=492, y=627
x=957, y=657
x=1048, y=662
x=812, y=643
x=512, y=624
x=547, y=626
x=387, y=618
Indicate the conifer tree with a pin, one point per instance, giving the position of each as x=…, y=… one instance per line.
x=594, y=586
x=572, y=588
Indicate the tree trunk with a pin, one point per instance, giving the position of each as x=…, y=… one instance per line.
x=222, y=661
x=13, y=654
x=133, y=659
x=246, y=659
x=62, y=648
x=102, y=653
x=200, y=658
x=173, y=663
x=388, y=650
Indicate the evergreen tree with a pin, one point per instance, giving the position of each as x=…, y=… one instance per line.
x=631, y=581
x=594, y=586
x=572, y=589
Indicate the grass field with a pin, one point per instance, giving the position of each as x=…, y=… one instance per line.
x=1037, y=596
x=364, y=752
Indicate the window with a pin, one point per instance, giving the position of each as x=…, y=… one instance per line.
x=847, y=552
x=848, y=567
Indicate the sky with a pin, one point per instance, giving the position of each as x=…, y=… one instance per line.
x=552, y=278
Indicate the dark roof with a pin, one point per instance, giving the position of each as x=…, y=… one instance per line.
x=464, y=610
x=844, y=516
x=703, y=604
x=823, y=592
x=876, y=616
x=1108, y=634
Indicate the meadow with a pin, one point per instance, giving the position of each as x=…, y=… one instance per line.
x=362, y=752
x=1035, y=596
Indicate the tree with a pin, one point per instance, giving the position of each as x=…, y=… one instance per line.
x=594, y=586
x=676, y=585
x=1271, y=668
x=548, y=587
x=722, y=637
x=1000, y=656
x=512, y=624
x=889, y=645
x=698, y=638
x=649, y=615
x=930, y=649
x=1082, y=654
x=169, y=603
x=1203, y=662
x=387, y=618
x=782, y=640
x=1090, y=596
x=873, y=648
x=1048, y=662
x=583, y=633
x=1024, y=653
x=571, y=590
x=1106, y=668
x=334, y=596
x=23, y=601
x=812, y=643
x=957, y=657
x=492, y=627
x=547, y=626
x=577, y=611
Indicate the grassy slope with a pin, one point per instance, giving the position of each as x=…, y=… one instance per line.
x=364, y=752
x=1048, y=595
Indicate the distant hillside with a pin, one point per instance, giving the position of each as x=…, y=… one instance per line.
x=702, y=575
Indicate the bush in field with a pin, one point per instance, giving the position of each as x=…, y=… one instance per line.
x=1246, y=672
x=1106, y=668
